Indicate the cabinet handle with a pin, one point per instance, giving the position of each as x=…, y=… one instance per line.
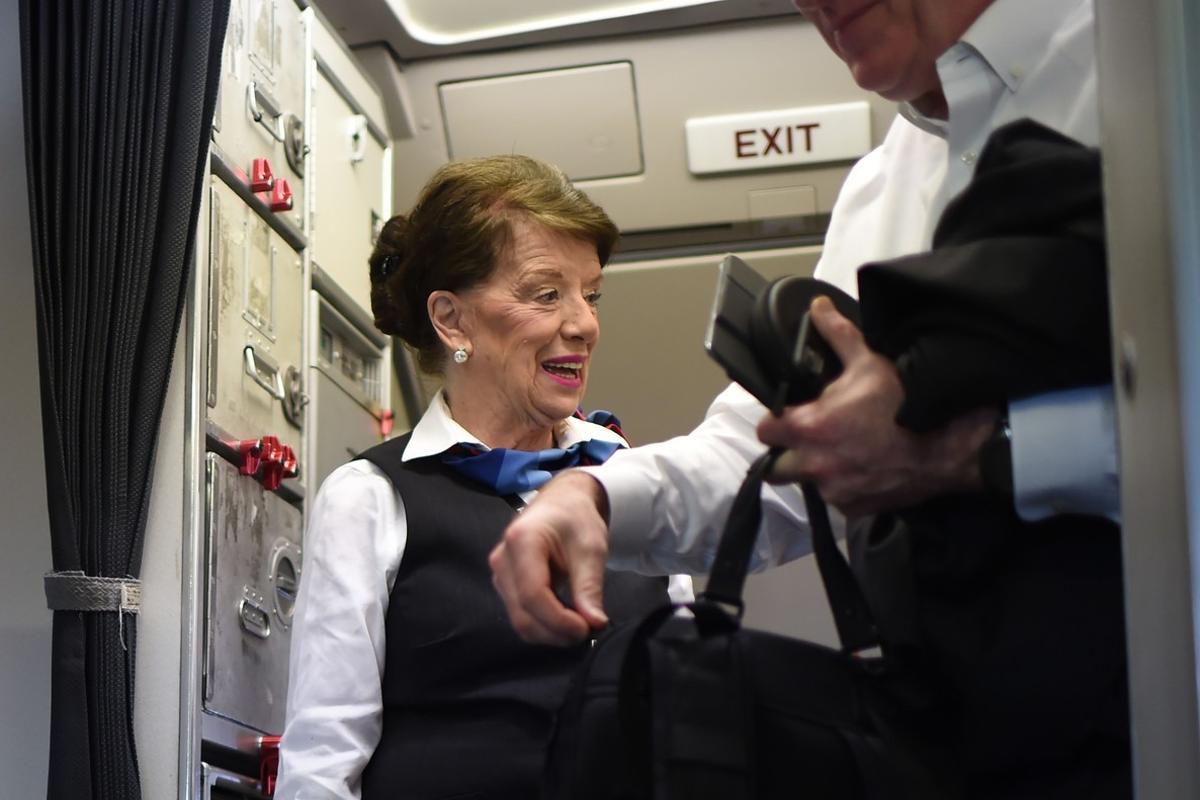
x=259, y=100
x=253, y=615
x=264, y=371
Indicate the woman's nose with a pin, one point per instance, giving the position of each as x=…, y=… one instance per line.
x=580, y=321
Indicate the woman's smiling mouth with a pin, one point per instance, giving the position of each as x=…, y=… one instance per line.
x=566, y=370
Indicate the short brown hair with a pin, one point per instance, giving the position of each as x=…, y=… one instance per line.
x=457, y=231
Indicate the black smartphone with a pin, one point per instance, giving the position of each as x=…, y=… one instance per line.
x=760, y=333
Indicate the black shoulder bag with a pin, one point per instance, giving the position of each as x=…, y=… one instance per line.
x=690, y=706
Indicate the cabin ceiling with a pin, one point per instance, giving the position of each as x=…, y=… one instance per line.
x=417, y=29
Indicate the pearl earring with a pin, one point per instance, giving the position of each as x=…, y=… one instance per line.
x=461, y=355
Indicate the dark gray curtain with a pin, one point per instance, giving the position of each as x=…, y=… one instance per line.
x=119, y=97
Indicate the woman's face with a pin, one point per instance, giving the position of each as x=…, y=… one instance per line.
x=532, y=328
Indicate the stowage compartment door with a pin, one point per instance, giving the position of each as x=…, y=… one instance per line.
x=253, y=561
x=255, y=325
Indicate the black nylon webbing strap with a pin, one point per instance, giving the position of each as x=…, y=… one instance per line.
x=728, y=574
x=855, y=625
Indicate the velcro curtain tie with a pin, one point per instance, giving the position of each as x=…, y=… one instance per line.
x=75, y=591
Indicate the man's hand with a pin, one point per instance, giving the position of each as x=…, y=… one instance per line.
x=562, y=532
x=847, y=440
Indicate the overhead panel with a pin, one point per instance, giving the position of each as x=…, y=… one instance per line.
x=584, y=119
x=447, y=22
x=419, y=29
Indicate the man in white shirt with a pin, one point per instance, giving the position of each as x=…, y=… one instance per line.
x=960, y=69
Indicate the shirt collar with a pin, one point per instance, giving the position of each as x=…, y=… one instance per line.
x=934, y=127
x=1009, y=38
x=437, y=432
x=1012, y=36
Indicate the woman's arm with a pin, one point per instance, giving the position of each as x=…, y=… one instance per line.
x=355, y=538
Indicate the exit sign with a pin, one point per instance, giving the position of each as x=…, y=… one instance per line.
x=786, y=137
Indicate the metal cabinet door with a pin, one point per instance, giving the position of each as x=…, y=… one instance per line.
x=261, y=109
x=253, y=561
x=256, y=308
x=344, y=428
x=347, y=377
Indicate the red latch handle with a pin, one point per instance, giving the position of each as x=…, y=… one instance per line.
x=268, y=763
x=251, y=452
x=268, y=459
x=387, y=419
x=281, y=195
x=262, y=179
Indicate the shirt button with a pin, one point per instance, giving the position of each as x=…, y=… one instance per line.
x=969, y=157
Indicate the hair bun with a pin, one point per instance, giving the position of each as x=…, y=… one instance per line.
x=385, y=267
x=386, y=262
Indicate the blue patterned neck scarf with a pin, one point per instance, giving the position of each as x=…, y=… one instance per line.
x=511, y=472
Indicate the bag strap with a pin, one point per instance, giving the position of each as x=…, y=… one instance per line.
x=727, y=577
x=855, y=623
x=851, y=615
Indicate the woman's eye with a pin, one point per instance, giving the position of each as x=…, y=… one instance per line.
x=548, y=296
x=592, y=298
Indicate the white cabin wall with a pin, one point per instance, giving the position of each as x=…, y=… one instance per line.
x=160, y=685
x=25, y=622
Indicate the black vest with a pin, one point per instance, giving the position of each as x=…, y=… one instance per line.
x=467, y=706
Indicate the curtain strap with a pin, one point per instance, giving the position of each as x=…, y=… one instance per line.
x=75, y=591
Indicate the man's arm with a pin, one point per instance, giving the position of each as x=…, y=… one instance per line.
x=562, y=533
x=667, y=505
x=1064, y=447
x=1064, y=452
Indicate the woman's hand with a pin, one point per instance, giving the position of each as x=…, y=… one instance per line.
x=562, y=532
x=847, y=440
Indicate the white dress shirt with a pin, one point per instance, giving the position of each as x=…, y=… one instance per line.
x=1021, y=58
x=353, y=545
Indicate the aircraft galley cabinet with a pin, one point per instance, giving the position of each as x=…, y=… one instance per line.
x=290, y=379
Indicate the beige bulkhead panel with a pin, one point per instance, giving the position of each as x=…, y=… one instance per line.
x=650, y=367
x=739, y=68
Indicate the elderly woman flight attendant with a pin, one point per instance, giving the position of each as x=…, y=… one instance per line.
x=407, y=680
